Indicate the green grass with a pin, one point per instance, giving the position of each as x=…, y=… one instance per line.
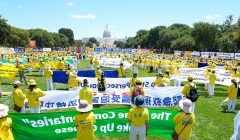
x=211, y=121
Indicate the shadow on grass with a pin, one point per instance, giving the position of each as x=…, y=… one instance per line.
x=6, y=84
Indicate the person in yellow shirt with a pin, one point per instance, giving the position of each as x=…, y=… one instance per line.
x=18, y=97
x=139, y=119
x=184, y=120
x=121, y=71
x=5, y=124
x=74, y=81
x=42, y=67
x=84, y=121
x=48, y=73
x=132, y=80
x=61, y=65
x=137, y=90
x=86, y=93
x=33, y=94
x=98, y=72
x=69, y=71
x=21, y=73
x=96, y=63
x=159, y=80
x=177, y=75
x=232, y=95
x=171, y=69
x=187, y=89
x=30, y=66
x=207, y=73
x=235, y=74
x=212, y=78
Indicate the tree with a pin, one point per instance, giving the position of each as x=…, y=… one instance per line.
x=142, y=38
x=92, y=41
x=60, y=40
x=237, y=35
x=17, y=38
x=120, y=44
x=42, y=37
x=153, y=36
x=69, y=33
x=131, y=43
x=184, y=43
x=4, y=30
x=78, y=42
x=205, y=35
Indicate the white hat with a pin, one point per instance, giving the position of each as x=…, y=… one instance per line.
x=73, y=73
x=17, y=83
x=84, y=106
x=186, y=105
x=3, y=110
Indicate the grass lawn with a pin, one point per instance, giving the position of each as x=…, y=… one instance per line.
x=212, y=123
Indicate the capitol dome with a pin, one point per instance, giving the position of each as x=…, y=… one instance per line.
x=106, y=33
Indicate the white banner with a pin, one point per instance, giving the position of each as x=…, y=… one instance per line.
x=195, y=54
x=178, y=53
x=113, y=63
x=208, y=54
x=47, y=49
x=228, y=56
x=237, y=56
x=163, y=96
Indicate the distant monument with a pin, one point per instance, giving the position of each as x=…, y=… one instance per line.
x=107, y=38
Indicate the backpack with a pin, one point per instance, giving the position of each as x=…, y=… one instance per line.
x=193, y=95
x=101, y=86
x=136, y=93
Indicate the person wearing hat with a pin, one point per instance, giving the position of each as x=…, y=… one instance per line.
x=74, y=81
x=5, y=124
x=84, y=121
x=33, y=94
x=21, y=73
x=48, y=73
x=207, y=73
x=132, y=80
x=232, y=95
x=121, y=71
x=212, y=78
x=18, y=97
x=139, y=118
x=136, y=90
x=184, y=120
x=187, y=88
x=86, y=93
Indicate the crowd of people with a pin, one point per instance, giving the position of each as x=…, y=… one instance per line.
x=165, y=66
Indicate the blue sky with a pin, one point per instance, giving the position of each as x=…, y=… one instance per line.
x=125, y=17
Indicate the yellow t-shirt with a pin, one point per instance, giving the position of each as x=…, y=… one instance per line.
x=42, y=65
x=186, y=88
x=84, y=123
x=86, y=94
x=121, y=72
x=171, y=69
x=96, y=63
x=61, y=65
x=73, y=82
x=97, y=74
x=159, y=82
x=21, y=67
x=212, y=78
x=48, y=74
x=232, y=92
x=6, y=132
x=33, y=97
x=207, y=73
x=132, y=82
x=18, y=97
x=138, y=116
x=180, y=120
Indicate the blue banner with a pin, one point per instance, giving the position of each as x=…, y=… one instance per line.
x=62, y=77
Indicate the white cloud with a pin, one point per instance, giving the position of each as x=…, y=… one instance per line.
x=78, y=16
x=212, y=17
x=70, y=4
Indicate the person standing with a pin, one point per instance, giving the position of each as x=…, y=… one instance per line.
x=21, y=73
x=190, y=89
x=84, y=121
x=139, y=119
x=184, y=120
x=98, y=73
x=74, y=81
x=18, y=97
x=177, y=74
x=48, y=73
x=33, y=94
x=132, y=80
x=207, y=73
x=42, y=68
x=86, y=93
x=212, y=78
x=121, y=71
x=75, y=62
x=5, y=124
x=135, y=67
x=232, y=95
x=137, y=90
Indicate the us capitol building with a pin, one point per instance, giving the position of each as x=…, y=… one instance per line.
x=107, y=41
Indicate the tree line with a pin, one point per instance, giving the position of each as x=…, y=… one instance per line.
x=15, y=37
x=202, y=37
